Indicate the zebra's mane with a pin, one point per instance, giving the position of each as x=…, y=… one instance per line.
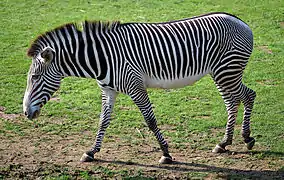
x=36, y=46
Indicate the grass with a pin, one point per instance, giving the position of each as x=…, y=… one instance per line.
x=183, y=114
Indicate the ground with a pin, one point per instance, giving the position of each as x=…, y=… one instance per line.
x=192, y=119
x=43, y=155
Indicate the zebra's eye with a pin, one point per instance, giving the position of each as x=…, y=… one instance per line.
x=35, y=77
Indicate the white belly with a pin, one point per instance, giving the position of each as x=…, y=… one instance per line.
x=151, y=82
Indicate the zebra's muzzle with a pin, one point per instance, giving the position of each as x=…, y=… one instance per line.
x=33, y=112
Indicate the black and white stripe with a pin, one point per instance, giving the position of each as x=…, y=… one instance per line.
x=132, y=57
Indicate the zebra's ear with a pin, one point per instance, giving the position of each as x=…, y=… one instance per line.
x=47, y=54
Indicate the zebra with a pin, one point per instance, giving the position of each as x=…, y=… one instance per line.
x=131, y=57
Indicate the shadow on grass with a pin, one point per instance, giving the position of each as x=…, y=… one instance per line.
x=228, y=172
x=59, y=171
x=261, y=153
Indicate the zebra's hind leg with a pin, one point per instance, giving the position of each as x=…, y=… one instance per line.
x=141, y=99
x=232, y=109
x=248, y=96
x=228, y=81
x=108, y=99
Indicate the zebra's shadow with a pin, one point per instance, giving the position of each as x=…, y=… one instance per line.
x=261, y=153
x=185, y=167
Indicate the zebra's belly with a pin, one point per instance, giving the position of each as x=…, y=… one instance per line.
x=151, y=82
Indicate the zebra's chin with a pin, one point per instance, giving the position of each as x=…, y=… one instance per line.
x=33, y=112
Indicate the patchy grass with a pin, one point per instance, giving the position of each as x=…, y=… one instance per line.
x=192, y=119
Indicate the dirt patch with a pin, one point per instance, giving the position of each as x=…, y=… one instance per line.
x=38, y=155
x=265, y=49
x=267, y=82
x=7, y=116
x=281, y=24
x=203, y=117
x=55, y=98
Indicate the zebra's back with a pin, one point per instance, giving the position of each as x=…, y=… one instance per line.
x=175, y=54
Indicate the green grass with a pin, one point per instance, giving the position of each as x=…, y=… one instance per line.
x=194, y=110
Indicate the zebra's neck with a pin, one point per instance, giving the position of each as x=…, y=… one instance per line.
x=88, y=51
x=80, y=51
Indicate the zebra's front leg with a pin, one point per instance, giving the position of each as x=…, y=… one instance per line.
x=108, y=99
x=141, y=99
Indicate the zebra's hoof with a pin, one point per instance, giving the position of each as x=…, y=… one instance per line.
x=165, y=160
x=219, y=149
x=86, y=158
x=250, y=144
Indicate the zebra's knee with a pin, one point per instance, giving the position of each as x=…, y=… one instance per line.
x=250, y=96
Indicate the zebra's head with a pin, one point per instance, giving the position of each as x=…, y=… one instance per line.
x=42, y=81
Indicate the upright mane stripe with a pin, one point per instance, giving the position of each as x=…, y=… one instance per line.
x=103, y=26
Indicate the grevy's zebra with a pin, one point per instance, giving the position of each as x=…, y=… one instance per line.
x=132, y=57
